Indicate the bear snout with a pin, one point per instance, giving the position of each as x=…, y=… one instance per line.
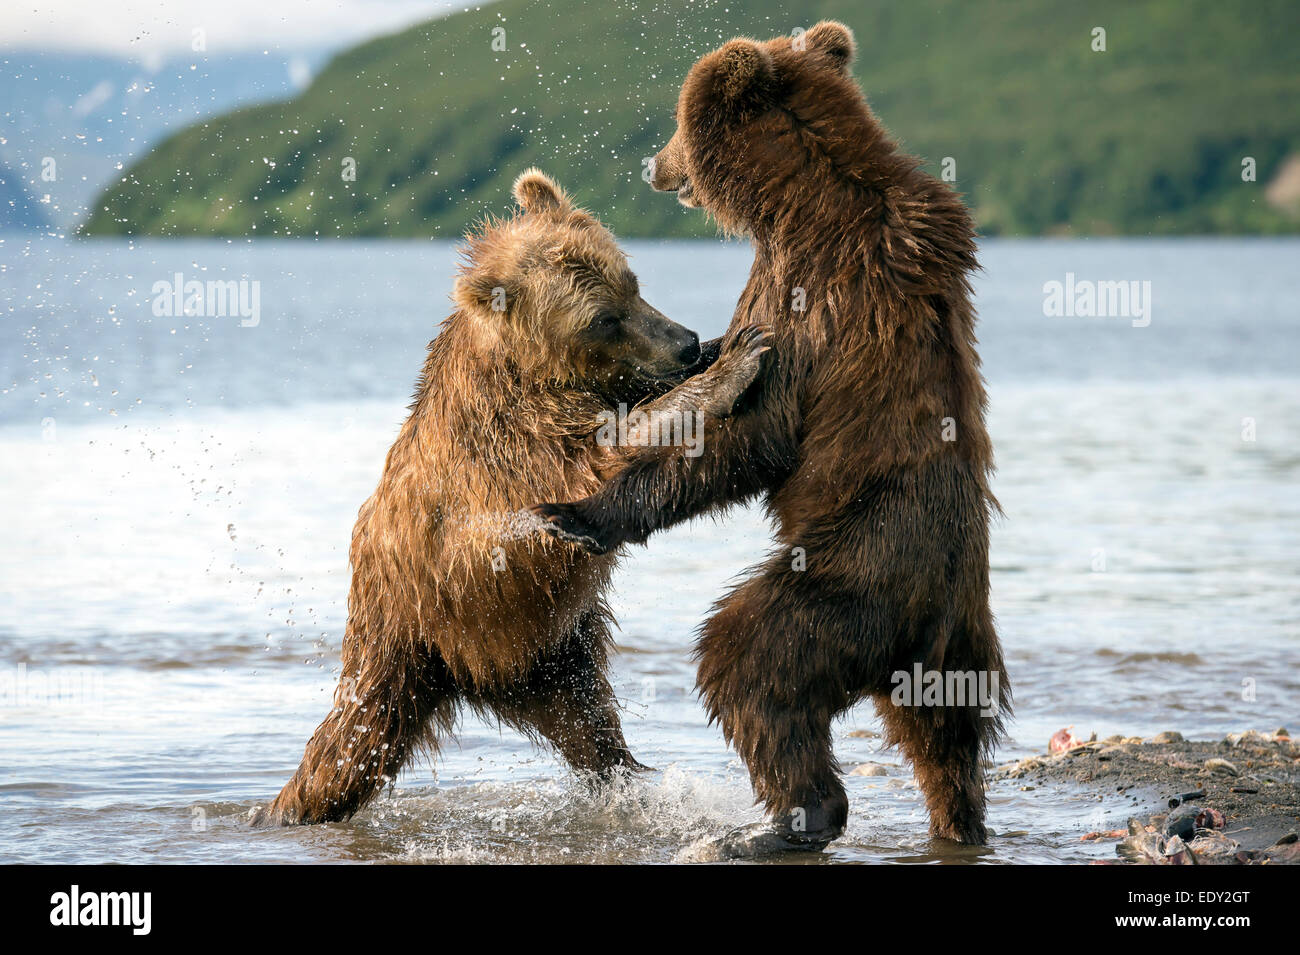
x=665, y=178
x=690, y=354
x=669, y=172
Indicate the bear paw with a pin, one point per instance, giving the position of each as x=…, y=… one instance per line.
x=762, y=839
x=563, y=522
x=738, y=366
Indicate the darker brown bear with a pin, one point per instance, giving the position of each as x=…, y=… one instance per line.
x=455, y=599
x=865, y=438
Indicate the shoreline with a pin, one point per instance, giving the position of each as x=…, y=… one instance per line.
x=1234, y=801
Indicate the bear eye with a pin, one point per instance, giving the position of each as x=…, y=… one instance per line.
x=606, y=322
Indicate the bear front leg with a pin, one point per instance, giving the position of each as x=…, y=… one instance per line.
x=380, y=715
x=743, y=450
x=567, y=700
x=712, y=394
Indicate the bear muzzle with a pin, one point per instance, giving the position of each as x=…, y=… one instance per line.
x=686, y=194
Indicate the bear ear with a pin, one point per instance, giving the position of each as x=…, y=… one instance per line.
x=834, y=41
x=743, y=71
x=537, y=192
x=478, y=291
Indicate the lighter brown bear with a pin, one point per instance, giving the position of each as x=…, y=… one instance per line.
x=864, y=438
x=456, y=600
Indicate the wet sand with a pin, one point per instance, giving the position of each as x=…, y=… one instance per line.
x=1234, y=801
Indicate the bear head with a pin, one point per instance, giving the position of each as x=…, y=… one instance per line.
x=772, y=130
x=551, y=289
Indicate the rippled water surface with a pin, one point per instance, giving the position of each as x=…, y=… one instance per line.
x=178, y=495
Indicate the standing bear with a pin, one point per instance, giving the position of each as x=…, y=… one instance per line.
x=865, y=438
x=455, y=598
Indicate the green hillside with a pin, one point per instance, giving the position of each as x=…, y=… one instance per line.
x=1047, y=135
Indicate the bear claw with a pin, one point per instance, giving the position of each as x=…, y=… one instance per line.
x=562, y=523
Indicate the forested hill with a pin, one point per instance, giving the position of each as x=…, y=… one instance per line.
x=1046, y=134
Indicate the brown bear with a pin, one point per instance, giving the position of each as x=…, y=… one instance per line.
x=865, y=437
x=455, y=597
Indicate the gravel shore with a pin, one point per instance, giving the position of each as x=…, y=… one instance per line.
x=1234, y=801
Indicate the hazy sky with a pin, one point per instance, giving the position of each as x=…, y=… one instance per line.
x=147, y=29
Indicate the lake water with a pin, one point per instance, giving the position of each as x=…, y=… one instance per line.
x=178, y=495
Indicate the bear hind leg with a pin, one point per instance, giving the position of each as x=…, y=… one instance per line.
x=566, y=699
x=382, y=714
x=771, y=674
x=946, y=746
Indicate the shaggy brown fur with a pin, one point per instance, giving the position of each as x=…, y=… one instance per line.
x=866, y=437
x=455, y=598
